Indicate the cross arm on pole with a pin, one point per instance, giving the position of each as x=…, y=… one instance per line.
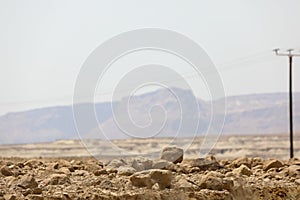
x=289, y=52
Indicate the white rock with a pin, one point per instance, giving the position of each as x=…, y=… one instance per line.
x=172, y=154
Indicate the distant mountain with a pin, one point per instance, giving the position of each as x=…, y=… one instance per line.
x=246, y=114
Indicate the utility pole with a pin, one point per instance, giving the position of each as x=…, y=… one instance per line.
x=290, y=53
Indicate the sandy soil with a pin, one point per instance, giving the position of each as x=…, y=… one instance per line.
x=264, y=146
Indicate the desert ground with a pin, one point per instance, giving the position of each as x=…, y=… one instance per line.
x=238, y=167
x=231, y=146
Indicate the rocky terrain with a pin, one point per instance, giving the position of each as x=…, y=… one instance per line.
x=170, y=176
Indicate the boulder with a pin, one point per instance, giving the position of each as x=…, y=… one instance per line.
x=172, y=154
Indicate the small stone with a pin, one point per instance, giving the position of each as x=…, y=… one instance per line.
x=28, y=181
x=26, y=192
x=215, y=181
x=229, y=174
x=194, y=170
x=33, y=163
x=183, y=184
x=6, y=171
x=161, y=164
x=111, y=176
x=9, y=180
x=257, y=167
x=81, y=173
x=272, y=164
x=142, y=179
x=57, y=179
x=57, y=196
x=267, y=180
x=71, y=168
x=294, y=161
x=37, y=191
x=243, y=169
x=77, y=167
x=126, y=171
x=172, y=154
x=9, y=163
x=35, y=197
x=297, y=181
x=115, y=163
x=162, y=177
x=63, y=163
x=277, y=177
x=224, y=162
x=10, y=197
x=2, y=192
x=111, y=170
x=106, y=184
x=203, y=164
x=141, y=163
x=20, y=164
x=92, y=166
x=100, y=172
x=150, y=177
x=256, y=161
x=65, y=170
x=258, y=171
x=293, y=171
x=240, y=161
x=12, y=167
x=55, y=166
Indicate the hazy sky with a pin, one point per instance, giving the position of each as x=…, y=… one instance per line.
x=44, y=43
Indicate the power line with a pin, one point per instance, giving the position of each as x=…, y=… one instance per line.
x=248, y=59
x=227, y=66
x=235, y=63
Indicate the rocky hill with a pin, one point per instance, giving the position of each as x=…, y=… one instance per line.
x=246, y=114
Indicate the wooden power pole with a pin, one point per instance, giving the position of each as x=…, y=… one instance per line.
x=290, y=54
